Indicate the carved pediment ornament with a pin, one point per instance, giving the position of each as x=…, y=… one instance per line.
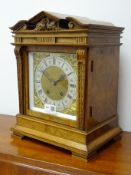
x=54, y=21
x=71, y=25
x=45, y=21
x=46, y=24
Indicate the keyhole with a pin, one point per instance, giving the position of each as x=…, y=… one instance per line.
x=92, y=65
x=90, y=111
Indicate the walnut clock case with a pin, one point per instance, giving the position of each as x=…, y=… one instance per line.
x=68, y=81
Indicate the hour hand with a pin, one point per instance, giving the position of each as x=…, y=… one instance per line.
x=62, y=77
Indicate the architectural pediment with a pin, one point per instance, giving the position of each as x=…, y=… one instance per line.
x=54, y=21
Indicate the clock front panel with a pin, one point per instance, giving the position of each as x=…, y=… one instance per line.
x=53, y=84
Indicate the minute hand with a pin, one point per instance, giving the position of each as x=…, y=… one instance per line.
x=48, y=77
x=62, y=77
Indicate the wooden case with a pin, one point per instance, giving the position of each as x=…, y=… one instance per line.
x=96, y=45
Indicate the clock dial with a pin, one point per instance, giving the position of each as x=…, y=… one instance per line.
x=55, y=82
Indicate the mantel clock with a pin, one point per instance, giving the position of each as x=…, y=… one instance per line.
x=67, y=81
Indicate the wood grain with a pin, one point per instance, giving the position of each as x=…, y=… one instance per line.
x=31, y=157
x=97, y=52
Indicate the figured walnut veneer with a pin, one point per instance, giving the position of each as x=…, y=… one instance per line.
x=97, y=48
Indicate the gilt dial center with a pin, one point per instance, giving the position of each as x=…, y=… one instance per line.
x=54, y=83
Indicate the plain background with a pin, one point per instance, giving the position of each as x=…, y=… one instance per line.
x=116, y=11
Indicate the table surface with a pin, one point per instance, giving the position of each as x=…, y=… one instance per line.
x=114, y=158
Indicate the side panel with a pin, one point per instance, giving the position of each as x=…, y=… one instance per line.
x=102, y=83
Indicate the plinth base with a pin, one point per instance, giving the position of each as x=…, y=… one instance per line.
x=78, y=142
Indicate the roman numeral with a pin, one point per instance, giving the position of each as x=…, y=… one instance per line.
x=69, y=96
x=45, y=100
x=62, y=65
x=69, y=73
x=40, y=91
x=54, y=61
x=37, y=81
x=44, y=62
x=72, y=85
